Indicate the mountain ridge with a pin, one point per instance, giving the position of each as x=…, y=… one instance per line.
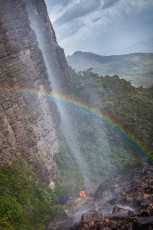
x=134, y=67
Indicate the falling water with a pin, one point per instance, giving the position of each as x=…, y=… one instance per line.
x=66, y=123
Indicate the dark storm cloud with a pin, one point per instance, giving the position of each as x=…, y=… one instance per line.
x=109, y=3
x=79, y=9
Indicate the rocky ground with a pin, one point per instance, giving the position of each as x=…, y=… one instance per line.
x=121, y=204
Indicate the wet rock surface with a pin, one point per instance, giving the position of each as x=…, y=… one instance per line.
x=130, y=208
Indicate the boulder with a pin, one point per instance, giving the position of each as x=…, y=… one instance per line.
x=143, y=222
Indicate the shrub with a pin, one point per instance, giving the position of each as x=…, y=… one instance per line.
x=24, y=203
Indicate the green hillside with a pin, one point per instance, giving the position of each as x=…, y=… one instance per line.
x=106, y=149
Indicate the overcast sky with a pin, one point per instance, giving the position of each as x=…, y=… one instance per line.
x=104, y=27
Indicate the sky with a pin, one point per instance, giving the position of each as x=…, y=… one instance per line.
x=105, y=27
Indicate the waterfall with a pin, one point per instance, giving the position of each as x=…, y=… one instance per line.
x=66, y=125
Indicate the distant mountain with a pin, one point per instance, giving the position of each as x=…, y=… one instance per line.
x=136, y=67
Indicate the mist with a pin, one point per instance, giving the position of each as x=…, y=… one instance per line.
x=66, y=125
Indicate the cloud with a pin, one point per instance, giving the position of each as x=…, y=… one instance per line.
x=102, y=26
x=51, y=3
x=66, y=30
x=109, y=3
x=96, y=19
x=77, y=10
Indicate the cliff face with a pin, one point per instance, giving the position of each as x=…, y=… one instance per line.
x=40, y=22
x=28, y=121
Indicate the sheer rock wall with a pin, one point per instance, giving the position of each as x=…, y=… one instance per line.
x=28, y=120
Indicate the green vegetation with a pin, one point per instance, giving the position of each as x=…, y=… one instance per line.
x=104, y=148
x=127, y=106
x=24, y=203
x=70, y=180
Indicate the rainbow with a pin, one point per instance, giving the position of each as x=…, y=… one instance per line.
x=86, y=108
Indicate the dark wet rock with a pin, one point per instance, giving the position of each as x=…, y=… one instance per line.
x=107, y=228
x=121, y=215
x=143, y=213
x=143, y=223
x=107, y=184
x=93, y=217
x=137, y=202
x=134, y=184
x=133, y=207
x=117, y=209
x=86, y=218
x=149, y=190
x=145, y=202
x=112, y=201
